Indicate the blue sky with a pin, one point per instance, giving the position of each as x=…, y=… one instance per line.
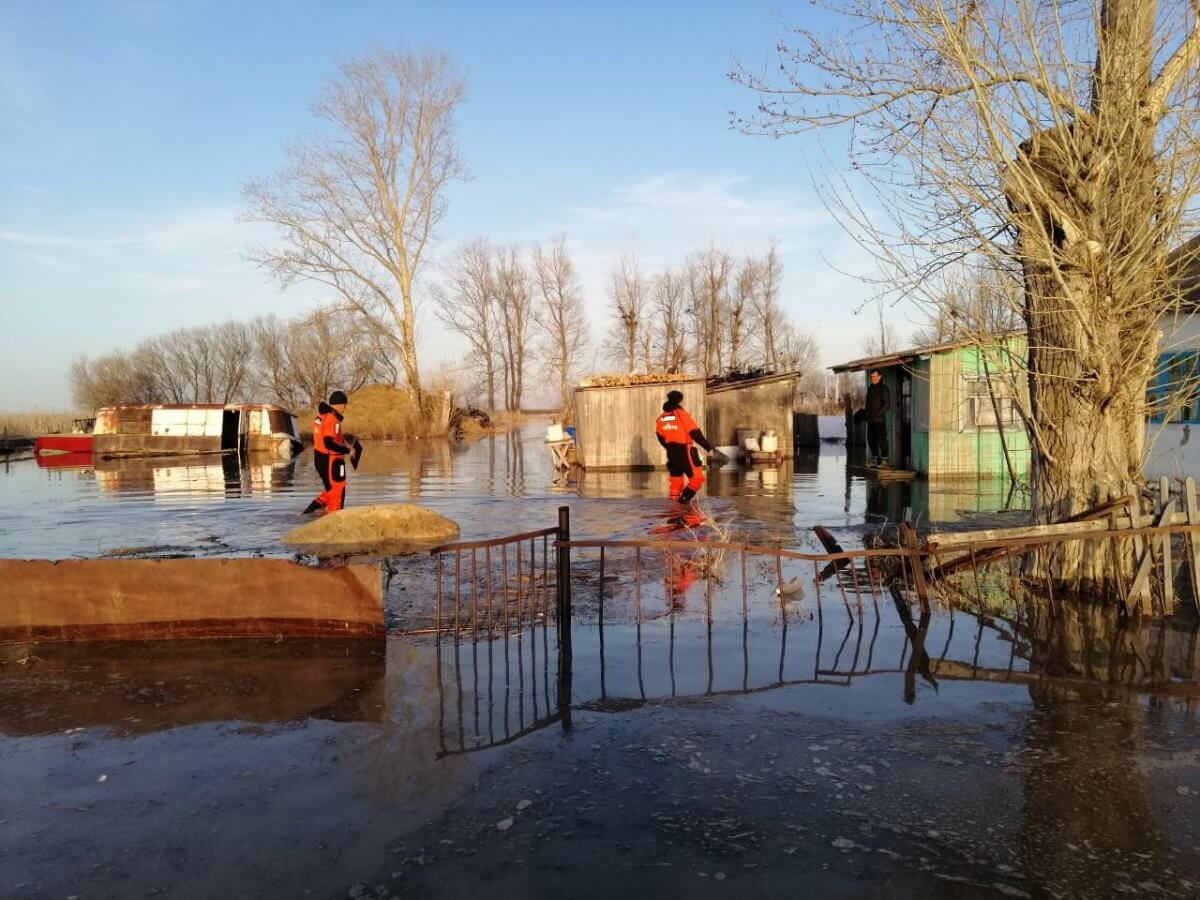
x=130, y=128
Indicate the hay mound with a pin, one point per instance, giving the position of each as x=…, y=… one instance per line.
x=395, y=526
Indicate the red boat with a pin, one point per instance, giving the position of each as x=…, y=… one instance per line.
x=62, y=443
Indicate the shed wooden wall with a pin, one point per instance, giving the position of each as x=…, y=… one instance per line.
x=956, y=451
x=615, y=425
x=764, y=406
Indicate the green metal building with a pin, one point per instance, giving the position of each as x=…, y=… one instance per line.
x=953, y=413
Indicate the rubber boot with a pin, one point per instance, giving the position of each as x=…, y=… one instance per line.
x=311, y=508
x=687, y=495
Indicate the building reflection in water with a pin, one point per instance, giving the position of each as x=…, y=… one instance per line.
x=183, y=476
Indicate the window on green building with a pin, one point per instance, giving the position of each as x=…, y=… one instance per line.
x=986, y=408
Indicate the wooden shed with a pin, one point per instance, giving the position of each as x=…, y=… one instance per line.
x=760, y=404
x=615, y=418
x=953, y=412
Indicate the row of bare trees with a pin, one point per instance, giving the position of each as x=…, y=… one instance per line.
x=519, y=311
x=712, y=314
x=295, y=362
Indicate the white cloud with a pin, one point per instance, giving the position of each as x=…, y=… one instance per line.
x=92, y=286
x=715, y=203
x=35, y=239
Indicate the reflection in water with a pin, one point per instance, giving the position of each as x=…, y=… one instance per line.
x=673, y=654
x=135, y=688
x=182, y=478
x=970, y=502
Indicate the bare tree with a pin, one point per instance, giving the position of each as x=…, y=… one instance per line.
x=668, y=313
x=709, y=271
x=883, y=338
x=560, y=315
x=768, y=317
x=1062, y=137
x=628, y=293
x=298, y=362
x=211, y=364
x=514, y=297
x=974, y=303
x=467, y=303
x=357, y=205
x=796, y=349
x=110, y=380
x=739, y=307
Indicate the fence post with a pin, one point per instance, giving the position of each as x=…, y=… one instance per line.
x=564, y=616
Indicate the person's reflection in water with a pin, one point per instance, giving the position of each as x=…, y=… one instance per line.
x=887, y=502
x=681, y=570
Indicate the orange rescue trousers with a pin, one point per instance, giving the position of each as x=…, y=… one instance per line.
x=684, y=469
x=331, y=467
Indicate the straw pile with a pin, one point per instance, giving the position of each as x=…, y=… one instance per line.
x=397, y=526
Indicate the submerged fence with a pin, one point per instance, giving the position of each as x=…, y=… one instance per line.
x=979, y=568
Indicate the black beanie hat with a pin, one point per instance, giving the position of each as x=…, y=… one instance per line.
x=675, y=397
x=337, y=398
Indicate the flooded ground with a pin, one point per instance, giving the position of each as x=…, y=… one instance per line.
x=706, y=746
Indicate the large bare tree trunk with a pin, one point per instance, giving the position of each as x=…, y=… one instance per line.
x=1084, y=198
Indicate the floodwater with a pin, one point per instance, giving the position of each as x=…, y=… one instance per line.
x=492, y=486
x=699, y=741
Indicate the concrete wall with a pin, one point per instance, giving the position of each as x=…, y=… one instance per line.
x=615, y=425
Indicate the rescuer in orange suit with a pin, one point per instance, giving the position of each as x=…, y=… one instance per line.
x=330, y=449
x=678, y=433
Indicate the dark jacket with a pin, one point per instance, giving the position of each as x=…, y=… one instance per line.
x=879, y=401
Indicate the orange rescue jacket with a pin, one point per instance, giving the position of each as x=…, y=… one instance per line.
x=676, y=426
x=328, y=435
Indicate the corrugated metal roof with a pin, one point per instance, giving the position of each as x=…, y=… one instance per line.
x=750, y=382
x=902, y=356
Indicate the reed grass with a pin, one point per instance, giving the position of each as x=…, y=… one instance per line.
x=32, y=424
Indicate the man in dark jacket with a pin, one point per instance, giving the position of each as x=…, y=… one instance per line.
x=879, y=401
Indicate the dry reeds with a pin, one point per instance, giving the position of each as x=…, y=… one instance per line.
x=706, y=561
x=32, y=424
